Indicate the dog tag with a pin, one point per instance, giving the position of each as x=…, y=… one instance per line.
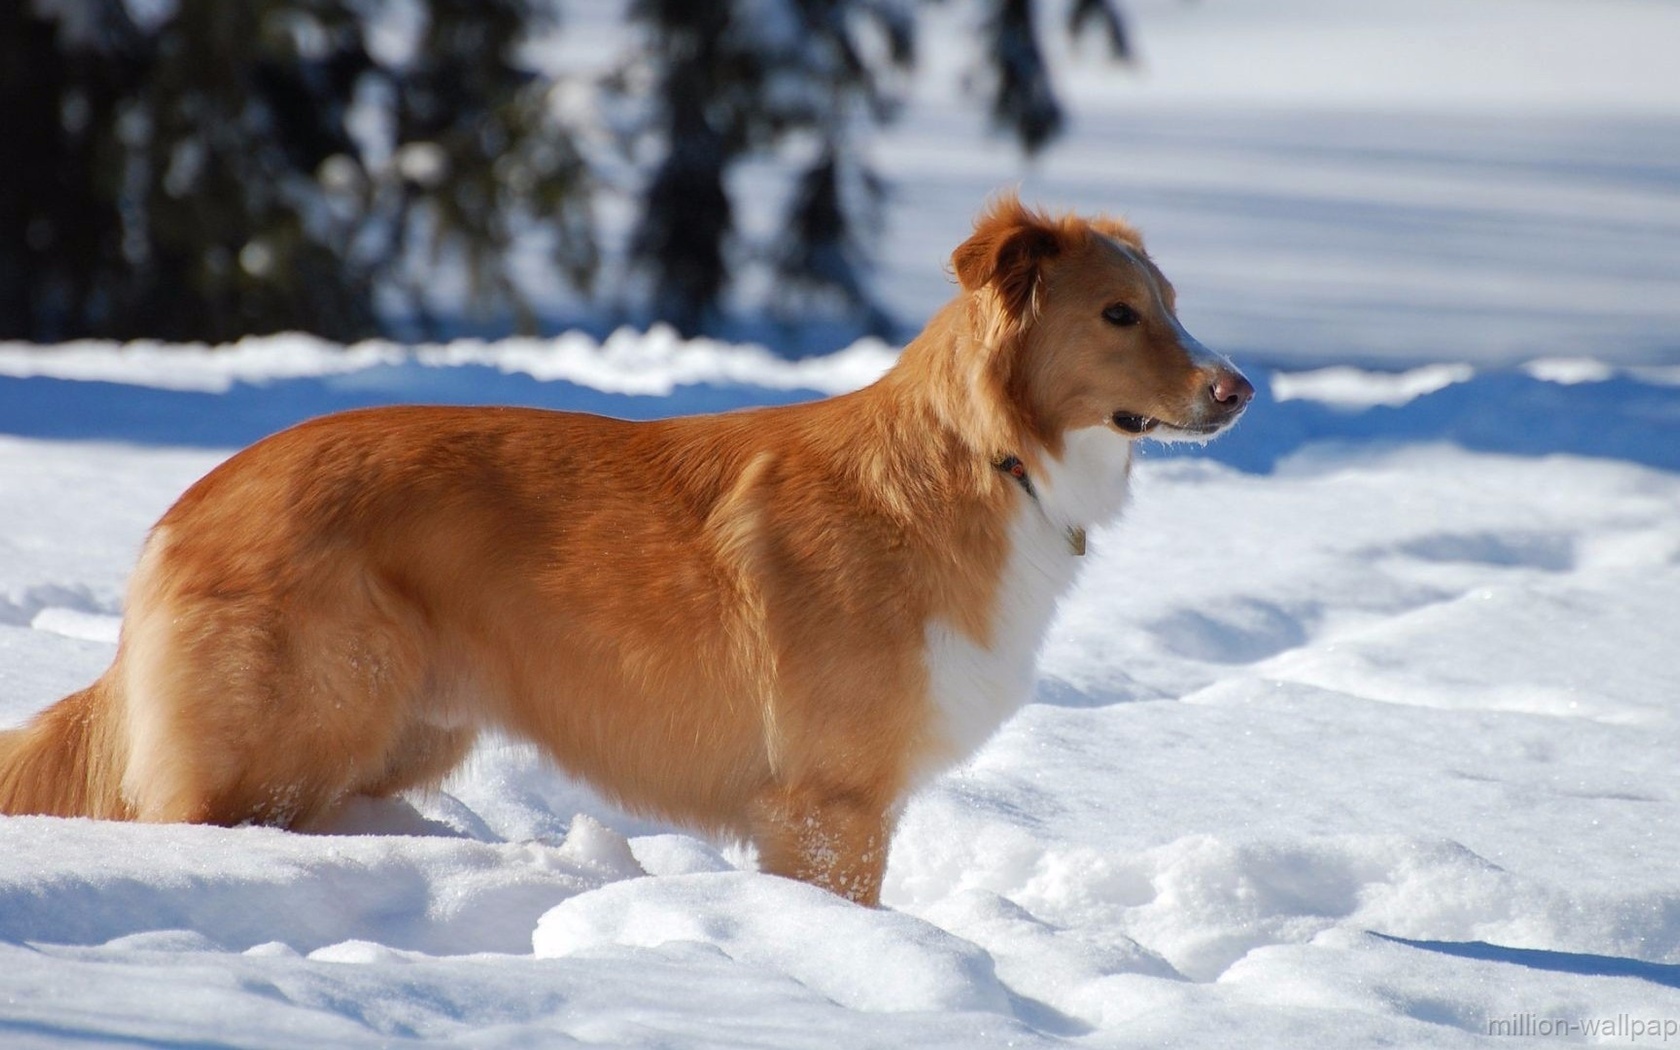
x=1076, y=541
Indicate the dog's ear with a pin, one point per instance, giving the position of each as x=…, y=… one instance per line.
x=1009, y=245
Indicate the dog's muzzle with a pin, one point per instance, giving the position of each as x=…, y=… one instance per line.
x=1228, y=394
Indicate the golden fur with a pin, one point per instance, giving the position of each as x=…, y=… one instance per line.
x=718, y=619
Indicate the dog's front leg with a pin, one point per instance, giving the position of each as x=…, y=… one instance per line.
x=834, y=839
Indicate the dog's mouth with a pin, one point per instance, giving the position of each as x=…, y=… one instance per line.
x=1137, y=425
x=1134, y=424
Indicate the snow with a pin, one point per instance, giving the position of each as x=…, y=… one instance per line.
x=1372, y=745
x=655, y=362
x=1602, y=56
x=1359, y=728
x=1360, y=388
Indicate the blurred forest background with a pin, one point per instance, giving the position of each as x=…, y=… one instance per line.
x=202, y=170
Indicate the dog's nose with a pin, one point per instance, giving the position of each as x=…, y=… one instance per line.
x=1231, y=390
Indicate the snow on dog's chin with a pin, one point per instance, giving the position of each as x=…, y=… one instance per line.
x=1168, y=434
x=1135, y=426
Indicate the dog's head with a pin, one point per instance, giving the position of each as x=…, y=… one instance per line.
x=1086, y=333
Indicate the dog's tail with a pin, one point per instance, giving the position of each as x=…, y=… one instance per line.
x=69, y=761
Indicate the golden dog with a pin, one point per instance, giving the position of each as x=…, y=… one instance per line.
x=768, y=624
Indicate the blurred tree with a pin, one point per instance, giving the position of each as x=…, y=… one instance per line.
x=195, y=169
x=737, y=78
x=228, y=168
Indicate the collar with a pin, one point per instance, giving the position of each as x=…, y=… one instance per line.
x=1012, y=465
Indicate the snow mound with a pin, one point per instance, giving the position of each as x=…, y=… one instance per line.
x=861, y=958
x=1356, y=388
x=651, y=363
x=88, y=882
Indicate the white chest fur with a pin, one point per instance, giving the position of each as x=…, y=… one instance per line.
x=977, y=683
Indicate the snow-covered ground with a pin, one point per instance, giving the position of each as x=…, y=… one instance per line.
x=1361, y=729
x=1370, y=742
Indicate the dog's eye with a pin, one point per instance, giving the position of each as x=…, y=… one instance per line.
x=1121, y=316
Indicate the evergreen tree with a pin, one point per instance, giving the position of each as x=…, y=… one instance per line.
x=741, y=77
x=204, y=169
x=250, y=166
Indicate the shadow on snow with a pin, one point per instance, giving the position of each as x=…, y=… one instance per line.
x=1509, y=412
x=1581, y=964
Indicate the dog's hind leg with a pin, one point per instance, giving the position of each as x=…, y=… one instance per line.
x=242, y=711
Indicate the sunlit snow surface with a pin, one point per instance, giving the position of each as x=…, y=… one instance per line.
x=1374, y=744
x=1362, y=728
